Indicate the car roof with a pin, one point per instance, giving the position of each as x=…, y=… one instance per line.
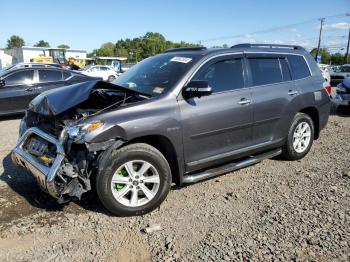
x=38, y=68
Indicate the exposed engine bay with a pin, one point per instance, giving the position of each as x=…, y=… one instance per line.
x=64, y=124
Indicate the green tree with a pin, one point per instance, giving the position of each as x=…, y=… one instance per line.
x=15, y=41
x=337, y=59
x=151, y=43
x=107, y=49
x=63, y=46
x=42, y=43
x=326, y=56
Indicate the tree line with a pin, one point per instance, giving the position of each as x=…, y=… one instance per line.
x=17, y=41
x=138, y=48
x=153, y=43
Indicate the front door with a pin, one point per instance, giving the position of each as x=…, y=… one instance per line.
x=216, y=125
x=18, y=91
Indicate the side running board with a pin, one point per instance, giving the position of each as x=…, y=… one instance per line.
x=209, y=173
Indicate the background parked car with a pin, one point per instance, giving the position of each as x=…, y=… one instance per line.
x=340, y=75
x=19, y=86
x=107, y=73
x=25, y=65
x=342, y=98
x=325, y=69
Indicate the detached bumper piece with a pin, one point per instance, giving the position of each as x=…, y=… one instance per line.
x=44, y=156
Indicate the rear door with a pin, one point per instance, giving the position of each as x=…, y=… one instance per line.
x=19, y=90
x=49, y=79
x=272, y=91
x=216, y=125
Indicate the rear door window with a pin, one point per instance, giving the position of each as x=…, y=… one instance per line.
x=286, y=75
x=223, y=75
x=265, y=71
x=298, y=66
x=20, y=78
x=49, y=76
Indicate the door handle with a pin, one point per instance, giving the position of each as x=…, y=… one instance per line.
x=292, y=92
x=244, y=101
x=29, y=89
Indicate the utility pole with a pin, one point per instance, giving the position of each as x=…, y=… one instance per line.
x=319, y=38
x=347, y=48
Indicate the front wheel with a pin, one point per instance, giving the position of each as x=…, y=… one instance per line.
x=135, y=180
x=300, y=137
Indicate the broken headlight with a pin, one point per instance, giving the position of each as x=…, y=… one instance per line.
x=78, y=132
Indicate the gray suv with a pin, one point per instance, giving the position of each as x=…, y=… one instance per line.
x=182, y=116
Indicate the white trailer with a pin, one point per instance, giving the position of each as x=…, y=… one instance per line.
x=26, y=53
x=5, y=60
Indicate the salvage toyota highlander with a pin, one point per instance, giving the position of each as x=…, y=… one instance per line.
x=182, y=116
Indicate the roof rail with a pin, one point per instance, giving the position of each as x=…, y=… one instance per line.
x=247, y=45
x=192, y=48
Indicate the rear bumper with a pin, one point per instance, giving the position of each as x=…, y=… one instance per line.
x=44, y=175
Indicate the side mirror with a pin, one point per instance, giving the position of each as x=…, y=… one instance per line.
x=197, y=88
x=2, y=82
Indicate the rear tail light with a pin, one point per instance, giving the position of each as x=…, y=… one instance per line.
x=327, y=87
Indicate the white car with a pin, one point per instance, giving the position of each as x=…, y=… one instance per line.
x=325, y=69
x=107, y=73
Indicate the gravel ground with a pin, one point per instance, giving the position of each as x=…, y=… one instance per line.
x=274, y=210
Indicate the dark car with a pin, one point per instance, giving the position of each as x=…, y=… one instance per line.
x=179, y=117
x=338, y=76
x=342, y=98
x=19, y=86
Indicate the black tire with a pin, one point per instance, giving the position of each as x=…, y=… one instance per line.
x=111, y=78
x=119, y=157
x=288, y=151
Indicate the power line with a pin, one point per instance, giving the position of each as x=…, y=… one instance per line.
x=273, y=29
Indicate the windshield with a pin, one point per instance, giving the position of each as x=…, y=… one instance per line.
x=156, y=75
x=345, y=69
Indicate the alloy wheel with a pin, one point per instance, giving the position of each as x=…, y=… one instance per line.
x=301, y=137
x=135, y=183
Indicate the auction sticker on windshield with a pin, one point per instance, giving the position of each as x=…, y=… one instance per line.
x=180, y=59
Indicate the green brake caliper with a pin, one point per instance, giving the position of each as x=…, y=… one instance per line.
x=121, y=172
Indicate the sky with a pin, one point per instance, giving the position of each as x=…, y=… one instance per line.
x=86, y=24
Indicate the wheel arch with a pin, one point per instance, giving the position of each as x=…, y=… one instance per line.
x=313, y=113
x=166, y=147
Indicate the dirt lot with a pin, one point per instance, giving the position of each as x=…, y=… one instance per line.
x=275, y=210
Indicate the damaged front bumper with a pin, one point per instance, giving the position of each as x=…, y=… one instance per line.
x=44, y=174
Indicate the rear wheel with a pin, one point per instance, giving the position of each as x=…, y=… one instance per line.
x=135, y=180
x=300, y=137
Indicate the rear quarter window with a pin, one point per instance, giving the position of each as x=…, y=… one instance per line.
x=298, y=66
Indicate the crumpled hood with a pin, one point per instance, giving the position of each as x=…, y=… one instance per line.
x=56, y=101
